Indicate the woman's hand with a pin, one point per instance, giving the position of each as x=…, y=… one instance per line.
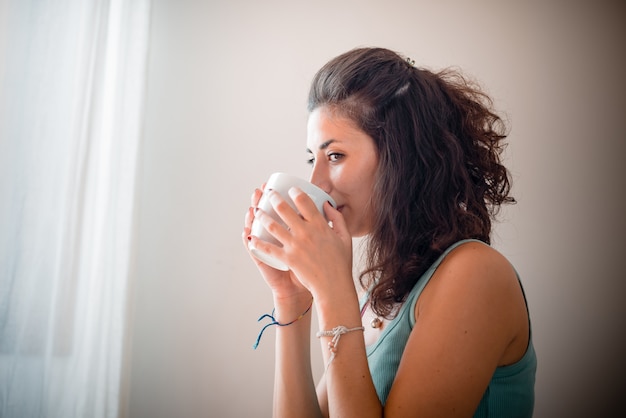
x=284, y=284
x=320, y=255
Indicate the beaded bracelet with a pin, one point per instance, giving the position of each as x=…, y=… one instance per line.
x=275, y=322
x=336, y=333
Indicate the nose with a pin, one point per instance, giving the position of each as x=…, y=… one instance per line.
x=320, y=177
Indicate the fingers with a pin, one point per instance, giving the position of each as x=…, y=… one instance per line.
x=278, y=228
x=336, y=219
x=249, y=217
x=247, y=226
x=290, y=219
x=307, y=208
x=251, y=241
x=283, y=209
x=256, y=196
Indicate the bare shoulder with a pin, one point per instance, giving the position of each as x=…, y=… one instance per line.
x=477, y=256
x=470, y=319
x=478, y=286
x=475, y=270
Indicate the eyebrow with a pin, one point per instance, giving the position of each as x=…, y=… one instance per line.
x=323, y=146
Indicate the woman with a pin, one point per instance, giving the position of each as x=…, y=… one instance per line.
x=411, y=158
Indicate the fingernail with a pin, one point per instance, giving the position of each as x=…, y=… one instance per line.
x=249, y=237
x=273, y=196
x=294, y=191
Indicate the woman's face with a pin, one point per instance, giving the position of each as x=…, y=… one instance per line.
x=344, y=161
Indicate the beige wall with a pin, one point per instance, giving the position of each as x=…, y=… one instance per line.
x=226, y=106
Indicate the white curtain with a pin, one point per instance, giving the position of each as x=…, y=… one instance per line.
x=72, y=76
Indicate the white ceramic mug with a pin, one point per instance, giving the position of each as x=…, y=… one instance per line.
x=281, y=183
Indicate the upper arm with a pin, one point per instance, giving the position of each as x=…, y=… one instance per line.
x=466, y=317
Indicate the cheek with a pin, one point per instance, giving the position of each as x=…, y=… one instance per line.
x=340, y=178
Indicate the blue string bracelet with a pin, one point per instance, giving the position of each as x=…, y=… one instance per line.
x=275, y=322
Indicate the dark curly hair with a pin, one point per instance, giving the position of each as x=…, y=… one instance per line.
x=439, y=177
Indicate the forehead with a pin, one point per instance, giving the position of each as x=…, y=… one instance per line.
x=325, y=125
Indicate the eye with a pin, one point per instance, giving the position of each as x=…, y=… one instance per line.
x=335, y=156
x=310, y=161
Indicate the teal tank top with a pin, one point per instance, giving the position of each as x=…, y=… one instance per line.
x=510, y=392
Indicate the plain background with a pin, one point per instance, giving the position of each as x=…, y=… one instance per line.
x=226, y=107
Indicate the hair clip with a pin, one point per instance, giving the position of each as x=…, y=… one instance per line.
x=410, y=62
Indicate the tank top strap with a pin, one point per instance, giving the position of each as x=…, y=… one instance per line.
x=421, y=283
